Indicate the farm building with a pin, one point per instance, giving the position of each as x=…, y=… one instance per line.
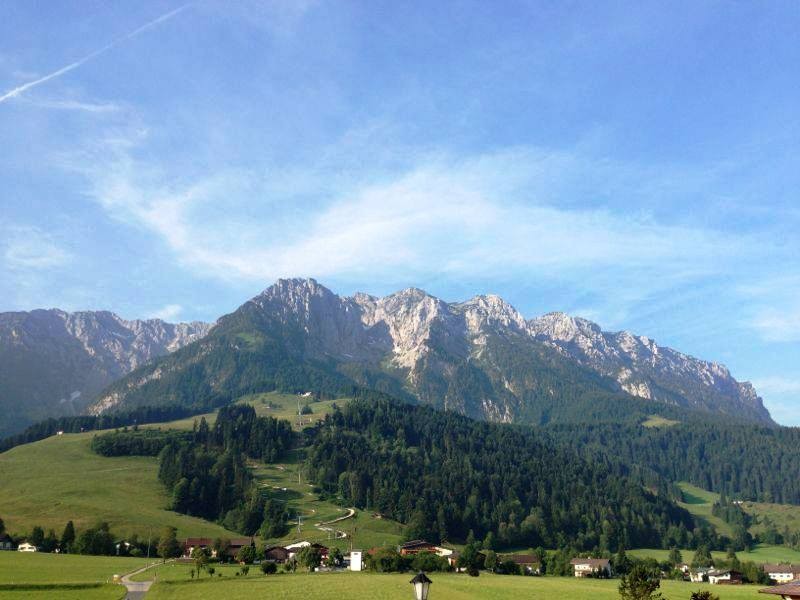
x=591, y=567
x=26, y=547
x=781, y=573
x=727, y=577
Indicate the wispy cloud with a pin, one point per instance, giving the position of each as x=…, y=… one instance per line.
x=777, y=385
x=74, y=65
x=778, y=325
x=487, y=216
x=31, y=248
x=170, y=312
x=76, y=105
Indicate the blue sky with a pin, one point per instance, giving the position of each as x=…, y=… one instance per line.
x=635, y=163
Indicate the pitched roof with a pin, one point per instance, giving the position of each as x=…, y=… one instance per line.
x=787, y=589
x=772, y=568
x=415, y=544
x=241, y=541
x=198, y=541
x=593, y=562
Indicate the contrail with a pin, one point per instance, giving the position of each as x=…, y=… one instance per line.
x=26, y=86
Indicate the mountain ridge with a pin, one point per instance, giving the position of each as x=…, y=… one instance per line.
x=54, y=362
x=480, y=357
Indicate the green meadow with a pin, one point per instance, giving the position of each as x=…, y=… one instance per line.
x=37, y=576
x=446, y=586
x=54, y=480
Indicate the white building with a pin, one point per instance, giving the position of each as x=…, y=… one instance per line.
x=355, y=560
x=782, y=573
x=26, y=547
x=717, y=577
x=591, y=567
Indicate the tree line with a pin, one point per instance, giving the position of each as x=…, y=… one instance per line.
x=77, y=424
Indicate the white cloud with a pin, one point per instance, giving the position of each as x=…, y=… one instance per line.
x=778, y=325
x=777, y=385
x=477, y=217
x=170, y=312
x=31, y=248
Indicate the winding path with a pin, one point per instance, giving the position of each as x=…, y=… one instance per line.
x=137, y=589
x=336, y=533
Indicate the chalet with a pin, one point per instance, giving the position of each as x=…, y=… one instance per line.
x=190, y=544
x=295, y=548
x=416, y=546
x=781, y=573
x=276, y=554
x=787, y=591
x=726, y=577
x=591, y=567
x=26, y=547
x=239, y=543
x=529, y=563
x=699, y=576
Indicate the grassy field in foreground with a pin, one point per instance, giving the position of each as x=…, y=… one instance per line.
x=37, y=576
x=446, y=586
x=760, y=554
x=38, y=567
x=54, y=480
x=66, y=592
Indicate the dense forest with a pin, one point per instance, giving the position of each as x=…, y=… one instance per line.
x=747, y=462
x=446, y=475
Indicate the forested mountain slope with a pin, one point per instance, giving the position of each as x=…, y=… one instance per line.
x=479, y=358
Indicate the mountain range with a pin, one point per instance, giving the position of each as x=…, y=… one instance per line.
x=55, y=363
x=480, y=357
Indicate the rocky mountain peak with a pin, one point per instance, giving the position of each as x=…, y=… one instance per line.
x=490, y=311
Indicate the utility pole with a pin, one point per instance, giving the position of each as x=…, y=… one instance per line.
x=149, y=536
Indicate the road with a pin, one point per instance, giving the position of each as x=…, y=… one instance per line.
x=137, y=589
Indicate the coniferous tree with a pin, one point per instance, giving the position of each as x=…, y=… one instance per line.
x=68, y=537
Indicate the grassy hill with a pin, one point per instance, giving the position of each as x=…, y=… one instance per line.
x=54, y=480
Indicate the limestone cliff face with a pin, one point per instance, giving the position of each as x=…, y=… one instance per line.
x=643, y=368
x=480, y=357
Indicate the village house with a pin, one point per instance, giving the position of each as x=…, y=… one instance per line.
x=416, y=546
x=726, y=577
x=529, y=563
x=26, y=547
x=235, y=544
x=276, y=554
x=295, y=548
x=6, y=544
x=781, y=573
x=190, y=544
x=591, y=567
x=787, y=591
x=699, y=575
